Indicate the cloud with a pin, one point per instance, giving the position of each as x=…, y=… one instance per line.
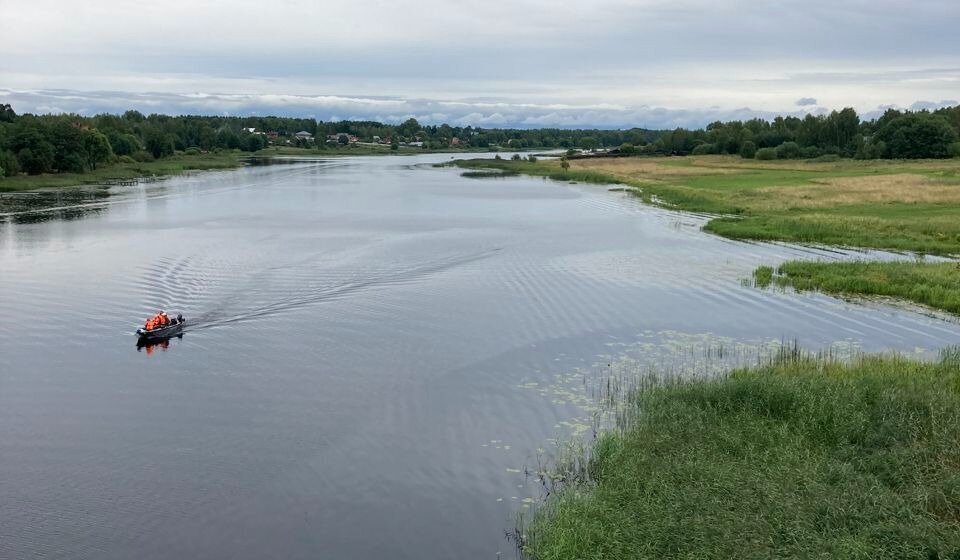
x=805, y=101
x=591, y=60
x=932, y=105
x=484, y=113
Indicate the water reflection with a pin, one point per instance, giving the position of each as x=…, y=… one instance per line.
x=54, y=204
x=153, y=345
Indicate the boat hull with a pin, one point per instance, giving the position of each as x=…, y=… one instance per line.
x=168, y=331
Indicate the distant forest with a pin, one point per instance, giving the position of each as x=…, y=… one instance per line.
x=36, y=144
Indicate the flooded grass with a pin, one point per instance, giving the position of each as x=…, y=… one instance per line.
x=934, y=284
x=805, y=455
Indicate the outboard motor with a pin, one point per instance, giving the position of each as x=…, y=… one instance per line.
x=179, y=317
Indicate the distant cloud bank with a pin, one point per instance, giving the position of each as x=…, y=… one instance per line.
x=806, y=101
x=483, y=113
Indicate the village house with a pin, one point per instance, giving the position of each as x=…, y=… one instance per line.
x=303, y=135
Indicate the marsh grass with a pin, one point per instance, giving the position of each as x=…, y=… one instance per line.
x=898, y=205
x=802, y=457
x=935, y=285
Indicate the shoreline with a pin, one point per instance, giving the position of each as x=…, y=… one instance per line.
x=182, y=163
x=174, y=165
x=775, y=453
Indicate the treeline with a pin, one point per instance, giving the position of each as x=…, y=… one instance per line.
x=895, y=134
x=441, y=136
x=37, y=144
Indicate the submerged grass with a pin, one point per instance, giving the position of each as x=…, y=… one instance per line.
x=935, y=285
x=805, y=457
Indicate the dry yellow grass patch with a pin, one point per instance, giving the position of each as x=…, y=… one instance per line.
x=834, y=191
x=643, y=168
x=846, y=165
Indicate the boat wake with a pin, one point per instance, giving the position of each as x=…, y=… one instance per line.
x=232, y=294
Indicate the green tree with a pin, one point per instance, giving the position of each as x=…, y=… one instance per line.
x=7, y=114
x=409, y=128
x=34, y=152
x=9, y=163
x=123, y=144
x=843, y=126
x=918, y=135
x=97, y=148
x=160, y=144
x=254, y=142
x=748, y=150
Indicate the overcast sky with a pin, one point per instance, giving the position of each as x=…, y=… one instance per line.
x=608, y=63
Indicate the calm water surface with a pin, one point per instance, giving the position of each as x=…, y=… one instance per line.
x=377, y=350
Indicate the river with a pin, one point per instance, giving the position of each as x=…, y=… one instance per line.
x=377, y=349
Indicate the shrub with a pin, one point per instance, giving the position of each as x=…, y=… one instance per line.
x=788, y=150
x=766, y=153
x=810, y=152
x=748, y=150
x=9, y=164
x=142, y=156
x=516, y=157
x=532, y=158
x=955, y=149
x=704, y=149
x=126, y=159
x=872, y=149
x=192, y=151
x=497, y=157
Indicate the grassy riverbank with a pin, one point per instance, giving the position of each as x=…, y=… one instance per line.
x=882, y=204
x=935, y=285
x=803, y=458
x=167, y=166
x=180, y=163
